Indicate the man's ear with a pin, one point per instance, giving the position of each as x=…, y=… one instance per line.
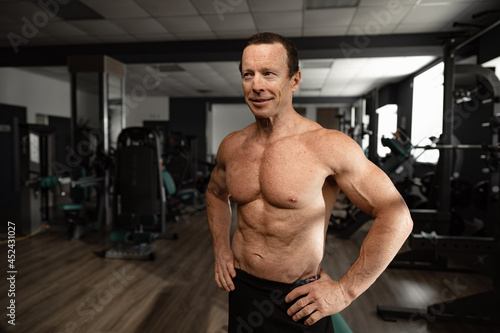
x=296, y=80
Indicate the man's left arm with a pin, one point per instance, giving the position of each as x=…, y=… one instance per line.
x=371, y=190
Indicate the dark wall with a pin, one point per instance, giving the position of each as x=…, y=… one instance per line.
x=188, y=115
x=489, y=48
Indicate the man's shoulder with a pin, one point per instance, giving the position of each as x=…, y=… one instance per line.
x=324, y=137
x=236, y=137
x=234, y=140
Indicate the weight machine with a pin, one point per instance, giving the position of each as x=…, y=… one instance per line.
x=139, y=200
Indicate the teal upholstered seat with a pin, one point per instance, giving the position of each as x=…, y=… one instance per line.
x=339, y=324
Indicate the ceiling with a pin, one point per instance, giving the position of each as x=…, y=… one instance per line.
x=348, y=73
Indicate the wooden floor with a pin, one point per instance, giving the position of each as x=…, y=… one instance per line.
x=62, y=286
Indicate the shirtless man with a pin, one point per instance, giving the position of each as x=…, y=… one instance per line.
x=284, y=172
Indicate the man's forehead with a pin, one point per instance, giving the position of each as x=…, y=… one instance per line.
x=268, y=52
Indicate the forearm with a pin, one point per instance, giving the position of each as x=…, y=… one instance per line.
x=219, y=221
x=385, y=238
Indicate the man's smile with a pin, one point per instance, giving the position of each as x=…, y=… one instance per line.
x=258, y=101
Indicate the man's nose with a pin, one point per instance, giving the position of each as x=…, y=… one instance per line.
x=257, y=83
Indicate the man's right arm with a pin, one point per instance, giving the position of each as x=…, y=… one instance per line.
x=219, y=222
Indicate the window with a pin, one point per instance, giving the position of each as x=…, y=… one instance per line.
x=427, y=114
x=387, y=125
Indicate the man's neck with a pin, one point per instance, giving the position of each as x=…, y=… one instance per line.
x=282, y=125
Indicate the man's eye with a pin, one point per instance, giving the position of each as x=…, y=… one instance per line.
x=268, y=73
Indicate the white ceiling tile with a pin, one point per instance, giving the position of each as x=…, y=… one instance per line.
x=168, y=8
x=310, y=93
x=259, y=6
x=291, y=32
x=435, y=12
x=6, y=19
x=98, y=27
x=140, y=26
x=46, y=41
x=356, y=89
x=231, y=22
x=221, y=7
x=195, y=35
x=117, y=38
x=379, y=16
x=80, y=39
x=108, y=8
x=320, y=18
x=316, y=73
x=325, y=31
x=185, y=24
x=236, y=34
x=312, y=83
x=16, y=10
x=61, y=28
x=155, y=37
x=282, y=20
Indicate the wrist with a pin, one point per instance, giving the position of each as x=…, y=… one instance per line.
x=349, y=289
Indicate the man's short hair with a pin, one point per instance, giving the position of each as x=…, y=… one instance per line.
x=272, y=38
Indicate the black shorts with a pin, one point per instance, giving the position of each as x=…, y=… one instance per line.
x=258, y=306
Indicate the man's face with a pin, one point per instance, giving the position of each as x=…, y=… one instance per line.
x=267, y=86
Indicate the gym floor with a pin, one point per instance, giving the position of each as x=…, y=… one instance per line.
x=62, y=286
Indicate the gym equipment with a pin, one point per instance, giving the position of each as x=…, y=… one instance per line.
x=178, y=199
x=481, y=254
x=339, y=324
x=28, y=203
x=79, y=213
x=139, y=200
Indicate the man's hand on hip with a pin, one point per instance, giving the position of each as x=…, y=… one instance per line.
x=321, y=298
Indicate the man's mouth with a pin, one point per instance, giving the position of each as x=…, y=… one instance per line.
x=259, y=100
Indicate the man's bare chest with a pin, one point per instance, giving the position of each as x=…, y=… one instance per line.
x=284, y=176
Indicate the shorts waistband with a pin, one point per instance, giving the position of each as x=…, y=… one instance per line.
x=275, y=284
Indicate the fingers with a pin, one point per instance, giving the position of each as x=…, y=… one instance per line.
x=309, y=310
x=224, y=275
x=300, y=291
